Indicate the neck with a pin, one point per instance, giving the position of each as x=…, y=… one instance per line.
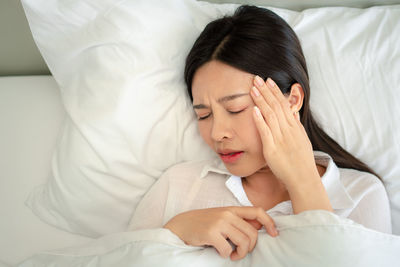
x=265, y=190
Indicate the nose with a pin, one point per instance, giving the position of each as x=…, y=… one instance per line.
x=221, y=129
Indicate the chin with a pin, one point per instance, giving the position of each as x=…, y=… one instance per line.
x=240, y=170
x=247, y=165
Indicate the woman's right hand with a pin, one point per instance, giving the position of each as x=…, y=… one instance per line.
x=213, y=226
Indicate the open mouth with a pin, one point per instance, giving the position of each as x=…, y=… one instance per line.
x=231, y=154
x=231, y=157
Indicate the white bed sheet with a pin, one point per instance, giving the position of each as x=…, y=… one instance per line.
x=31, y=115
x=330, y=241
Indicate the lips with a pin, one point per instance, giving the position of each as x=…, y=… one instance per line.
x=226, y=152
x=230, y=156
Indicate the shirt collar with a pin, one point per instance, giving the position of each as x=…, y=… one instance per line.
x=215, y=165
x=336, y=191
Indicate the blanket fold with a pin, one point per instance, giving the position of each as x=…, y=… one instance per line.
x=311, y=238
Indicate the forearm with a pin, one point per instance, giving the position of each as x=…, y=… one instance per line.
x=310, y=194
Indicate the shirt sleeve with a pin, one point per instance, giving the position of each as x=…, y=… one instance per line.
x=373, y=210
x=150, y=210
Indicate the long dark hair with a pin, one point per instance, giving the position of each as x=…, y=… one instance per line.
x=258, y=41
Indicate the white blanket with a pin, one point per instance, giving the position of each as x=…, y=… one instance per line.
x=311, y=238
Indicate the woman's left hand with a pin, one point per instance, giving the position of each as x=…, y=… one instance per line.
x=287, y=149
x=286, y=146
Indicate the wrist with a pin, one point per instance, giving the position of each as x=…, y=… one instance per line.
x=299, y=181
x=308, y=194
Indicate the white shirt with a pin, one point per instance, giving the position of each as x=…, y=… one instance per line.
x=359, y=196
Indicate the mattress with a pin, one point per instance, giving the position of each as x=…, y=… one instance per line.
x=31, y=114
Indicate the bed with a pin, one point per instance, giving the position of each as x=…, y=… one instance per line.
x=50, y=130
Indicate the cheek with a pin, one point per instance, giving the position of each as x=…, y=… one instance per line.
x=204, y=132
x=255, y=159
x=249, y=132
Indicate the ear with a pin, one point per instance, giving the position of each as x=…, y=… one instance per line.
x=296, y=97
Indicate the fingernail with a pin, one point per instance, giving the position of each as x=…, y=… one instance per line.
x=255, y=91
x=259, y=81
x=274, y=231
x=270, y=82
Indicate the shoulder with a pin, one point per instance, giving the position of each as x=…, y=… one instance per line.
x=360, y=184
x=371, y=203
x=353, y=176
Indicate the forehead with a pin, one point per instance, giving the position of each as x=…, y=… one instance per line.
x=216, y=79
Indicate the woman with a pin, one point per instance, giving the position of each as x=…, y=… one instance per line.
x=276, y=160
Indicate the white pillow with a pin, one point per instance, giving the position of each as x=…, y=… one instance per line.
x=119, y=65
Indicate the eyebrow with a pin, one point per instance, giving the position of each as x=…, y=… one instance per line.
x=222, y=99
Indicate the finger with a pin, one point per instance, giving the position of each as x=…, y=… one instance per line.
x=263, y=129
x=253, y=213
x=241, y=240
x=246, y=228
x=282, y=100
x=221, y=245
x=301, y=126
x=256, y=224
x=295, y=127
x=268, y=113
x=272, y=100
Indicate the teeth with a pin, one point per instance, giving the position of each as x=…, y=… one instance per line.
x=230, y=154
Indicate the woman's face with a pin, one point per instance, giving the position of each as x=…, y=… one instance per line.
x=224, y=107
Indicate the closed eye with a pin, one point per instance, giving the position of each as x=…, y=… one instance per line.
x=235, y=112
x=231, y=112
x=203, y=118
